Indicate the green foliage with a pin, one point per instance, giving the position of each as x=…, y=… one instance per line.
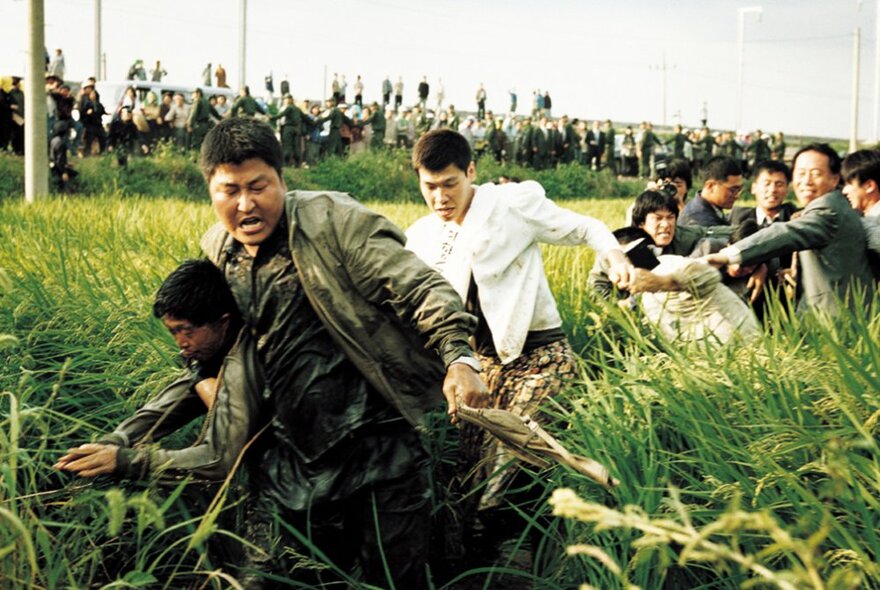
x=739, y=466
x=368, y=176
x=385, y=176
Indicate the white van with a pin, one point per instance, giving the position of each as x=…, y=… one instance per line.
x=111, y=93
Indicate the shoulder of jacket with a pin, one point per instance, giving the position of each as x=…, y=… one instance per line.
x=214, y=241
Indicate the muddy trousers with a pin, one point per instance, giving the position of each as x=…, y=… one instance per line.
x=378, y=536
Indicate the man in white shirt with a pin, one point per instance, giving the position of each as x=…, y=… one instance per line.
x=485, y=241
x=861, y=173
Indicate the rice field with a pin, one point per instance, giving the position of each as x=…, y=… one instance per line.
x=740, y=467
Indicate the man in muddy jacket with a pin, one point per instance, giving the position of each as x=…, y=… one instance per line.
x=355, y=335
x=221, y=379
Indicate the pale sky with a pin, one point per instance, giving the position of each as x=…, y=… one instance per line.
x=597, y=58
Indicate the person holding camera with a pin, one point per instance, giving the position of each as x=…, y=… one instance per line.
x=673, y=178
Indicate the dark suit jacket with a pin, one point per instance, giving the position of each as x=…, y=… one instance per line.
x=699, y=211
x=831, y=244
x=872, y=233
x=740, y=214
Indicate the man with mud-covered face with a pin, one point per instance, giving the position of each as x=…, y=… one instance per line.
x=356, y=336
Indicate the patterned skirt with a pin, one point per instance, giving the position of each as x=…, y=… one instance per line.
x=519, y=387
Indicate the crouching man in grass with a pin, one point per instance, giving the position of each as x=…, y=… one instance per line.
x=221, y=377
x=358, y=339
x=485, y=241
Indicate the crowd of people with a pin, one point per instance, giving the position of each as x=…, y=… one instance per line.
x=318, y=329
x=809, y=256
x=312, y=130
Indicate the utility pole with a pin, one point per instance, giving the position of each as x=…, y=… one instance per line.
x=242, y=43
x=97, y=72
x=854, y=130
x=36, y=161
x=663, y=69
x=876, y=135
x=741, y=50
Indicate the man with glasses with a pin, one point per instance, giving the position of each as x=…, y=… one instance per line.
x=828, y=236
x=722, y=186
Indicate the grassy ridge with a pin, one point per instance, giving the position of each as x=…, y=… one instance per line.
x=743, y=463
x=385, y=177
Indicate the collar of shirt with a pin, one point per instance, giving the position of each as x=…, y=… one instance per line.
x=760, y=216
x=873, y=211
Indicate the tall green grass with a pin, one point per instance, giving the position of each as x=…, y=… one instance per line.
x=745, y=465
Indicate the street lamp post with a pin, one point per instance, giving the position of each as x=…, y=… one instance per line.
x=242, y=43
x=740, y=45
x=876, y=134
x=97, y=72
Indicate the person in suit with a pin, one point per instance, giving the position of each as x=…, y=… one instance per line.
x=610, y=162
x=386, y=91
x=567, y=141
x=828, y=236
x=424, y=89
x=861, y=173
x=721, y=188
x=540, y=145
x=599, y=148
x=769, y=188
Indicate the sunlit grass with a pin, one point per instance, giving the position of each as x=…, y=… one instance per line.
x=737, y=465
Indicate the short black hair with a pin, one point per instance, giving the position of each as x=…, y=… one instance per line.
x=720, y=167
x=195, y=291
x=651, y=202
x=235, y=140
x=439, y=148
x=679, y=168
x=772, y=167
x=824, y=149
x=862, y=166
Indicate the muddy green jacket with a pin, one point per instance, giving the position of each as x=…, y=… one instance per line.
x=395, y=318
x=232, y=421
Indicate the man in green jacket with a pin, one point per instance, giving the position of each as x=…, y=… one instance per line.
x=647, y=142
x=199, y=121
x=334, y=145
x=220, y=379
x=290, y=123
x=245, y=104
x=358, y=339
x=376, y=121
